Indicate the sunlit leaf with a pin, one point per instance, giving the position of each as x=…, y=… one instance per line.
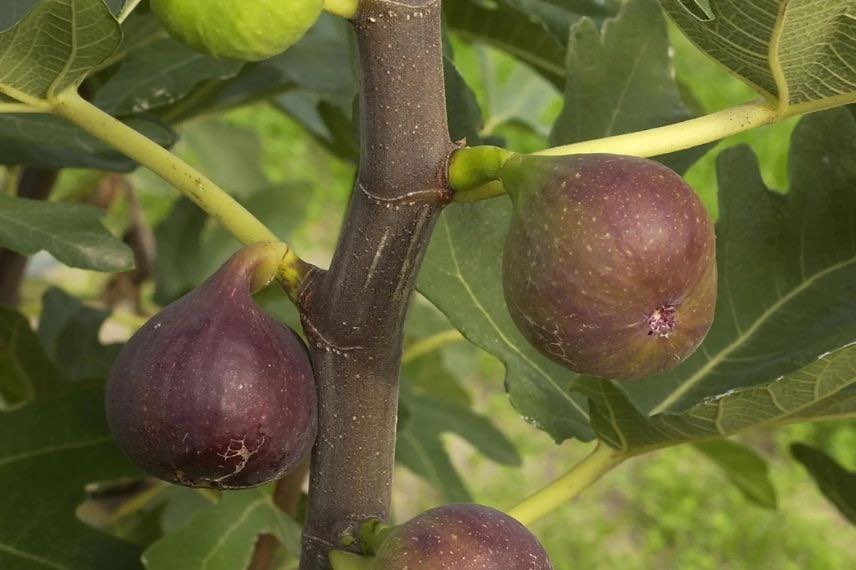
x=800, y=54
x=56, y=44
x=824, y=389
x=222, y=536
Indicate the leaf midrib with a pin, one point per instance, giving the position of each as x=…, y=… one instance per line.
x=699, y=375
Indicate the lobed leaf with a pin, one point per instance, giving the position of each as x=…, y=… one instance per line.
x=461, y=275
x=72, y=233
x=59, y=444
x=800, y=54
x=621, y=79
x=55, y=45
x=786, y=263
x=222, y=537
x=822, y=390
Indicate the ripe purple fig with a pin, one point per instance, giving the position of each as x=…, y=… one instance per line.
x=212, y=392
x=461, y=537
x=609, y=266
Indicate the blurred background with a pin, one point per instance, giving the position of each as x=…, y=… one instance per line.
x=670, y=509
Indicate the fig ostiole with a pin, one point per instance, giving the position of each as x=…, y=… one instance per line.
x=609, y=265
x=213, y=392
x=462, y=536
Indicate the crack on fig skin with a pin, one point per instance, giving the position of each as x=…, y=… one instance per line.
x=243, y=452
x=662, y=321
x=410, y=199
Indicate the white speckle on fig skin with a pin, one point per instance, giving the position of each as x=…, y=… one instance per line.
x=213, y=392
x=461, y=537
x=626, y=237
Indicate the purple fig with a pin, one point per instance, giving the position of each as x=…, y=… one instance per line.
x=212, y=392
x=461, y=537
x=609, y=266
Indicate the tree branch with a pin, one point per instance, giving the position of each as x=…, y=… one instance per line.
x=353, y=314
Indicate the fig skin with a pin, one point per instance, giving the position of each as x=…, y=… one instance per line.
x=212, y=392
x=461, y=537
x=609, y=266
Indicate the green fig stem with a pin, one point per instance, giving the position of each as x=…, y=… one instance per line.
x=186, y=179
x=127, y=9
x=484, y=191
x=341, y=560
x=372, y=534
x=344, y=8
x=595, y=465
x=473, y=166
x=474, y=182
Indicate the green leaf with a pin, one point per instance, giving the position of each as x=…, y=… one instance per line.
x=463, y=110
x=747, y=470
x=824, y=389
x=698, y=9
x=420, y=446
x=25, y=370
x=800, y=55
x=14, y=10
x=321, y=63
x=188, y=249
x=68, y=330
x=222, y=536
x=70, y=232
x=158, y=74
x=504, y=28
x=228, y=154
x=836, y=483
x=178, y=240
x=46, y=141
x=514, y=94
x=462, y=276
x=621, y=80
x=786, y=264
x=56, y=44
x=49, y=451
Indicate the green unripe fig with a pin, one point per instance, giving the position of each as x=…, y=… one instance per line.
x=609, y=266
x=461, y=537
x=238, y=29
x=212, y=392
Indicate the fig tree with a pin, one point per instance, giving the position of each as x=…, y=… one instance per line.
x=461, y=537
x=213, y=392
x=609, y=264
x=236, y=29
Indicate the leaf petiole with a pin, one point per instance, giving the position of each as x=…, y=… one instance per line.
x=582, y=475
x=186, y=179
